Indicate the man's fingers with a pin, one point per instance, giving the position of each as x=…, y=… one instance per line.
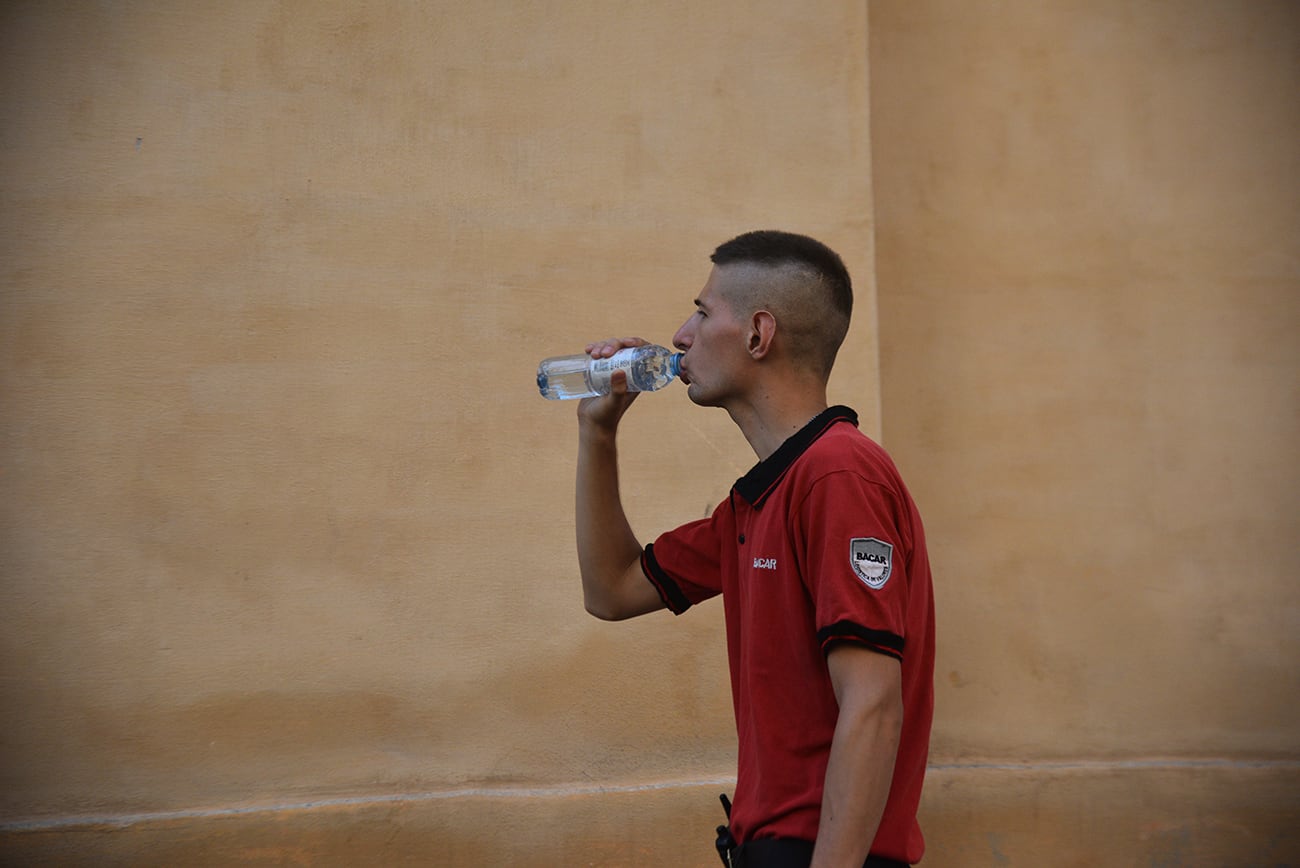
x=605, y=349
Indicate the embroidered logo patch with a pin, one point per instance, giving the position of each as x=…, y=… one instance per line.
x=872, y=560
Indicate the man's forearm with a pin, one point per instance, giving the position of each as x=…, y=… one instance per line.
x=607, y=545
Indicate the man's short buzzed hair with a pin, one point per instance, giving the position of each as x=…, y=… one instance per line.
x=811, y=294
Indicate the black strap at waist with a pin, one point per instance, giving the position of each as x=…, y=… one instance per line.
x=790, y=853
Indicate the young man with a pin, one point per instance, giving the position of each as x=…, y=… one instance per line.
x=819, y=556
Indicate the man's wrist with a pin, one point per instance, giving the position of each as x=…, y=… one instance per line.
x=596, y=434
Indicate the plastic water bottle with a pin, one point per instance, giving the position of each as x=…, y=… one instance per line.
x=648, y=368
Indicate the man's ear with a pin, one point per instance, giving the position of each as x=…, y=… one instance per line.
x=762, y=332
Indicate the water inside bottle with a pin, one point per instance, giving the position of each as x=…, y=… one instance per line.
x=562, y=378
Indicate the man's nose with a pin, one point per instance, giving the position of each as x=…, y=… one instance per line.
x=682, y=340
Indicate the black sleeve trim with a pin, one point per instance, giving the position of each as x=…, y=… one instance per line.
x=881, y=641
x=672, y=595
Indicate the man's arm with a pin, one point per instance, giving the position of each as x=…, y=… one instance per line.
x=868, y=687
x=609, y=555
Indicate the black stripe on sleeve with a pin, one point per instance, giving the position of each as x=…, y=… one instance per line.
x=672, y=595
x=889, y=644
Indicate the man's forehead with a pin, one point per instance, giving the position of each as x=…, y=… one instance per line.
x=709, y=292
x=719, y=290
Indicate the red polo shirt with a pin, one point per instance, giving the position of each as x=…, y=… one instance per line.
x=819, y=543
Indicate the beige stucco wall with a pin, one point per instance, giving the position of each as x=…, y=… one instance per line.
x=285, y=531
x=1088, y=234
x=284, y=520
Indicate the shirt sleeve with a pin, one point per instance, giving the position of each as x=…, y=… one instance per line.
x=684, y=564
x=854, y=562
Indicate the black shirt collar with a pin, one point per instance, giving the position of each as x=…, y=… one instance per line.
x=759, y=482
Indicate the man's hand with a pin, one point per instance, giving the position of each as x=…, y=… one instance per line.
x=602, y=414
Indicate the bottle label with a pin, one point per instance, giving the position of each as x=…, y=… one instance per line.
x=602, y=370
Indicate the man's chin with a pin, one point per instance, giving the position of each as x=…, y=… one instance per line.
x=698, y=396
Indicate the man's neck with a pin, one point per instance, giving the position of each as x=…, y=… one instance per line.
x=767, y=424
